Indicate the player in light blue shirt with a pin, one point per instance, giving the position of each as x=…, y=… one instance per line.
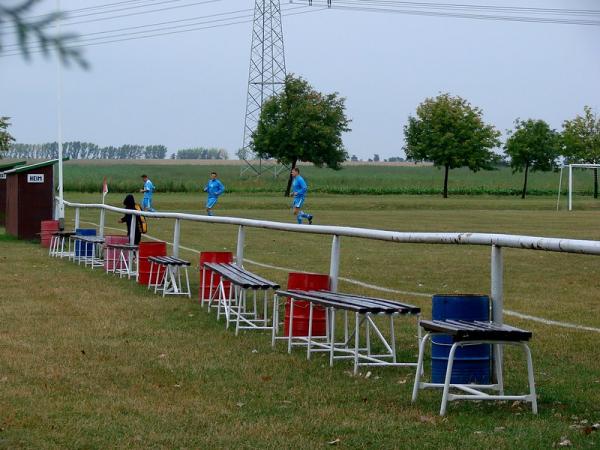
x=299, y=188
x=213, y=188
x=148, y=191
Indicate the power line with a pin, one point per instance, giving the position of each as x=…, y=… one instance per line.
x=473, y=7
x=305, y=10
x=190, y=19
x=88, y=8
x=168, y=8
x=350, y=5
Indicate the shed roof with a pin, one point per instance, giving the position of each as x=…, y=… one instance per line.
x=12, y=165
x=34, y=166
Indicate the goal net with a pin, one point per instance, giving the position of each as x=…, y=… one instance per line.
x=577, y=181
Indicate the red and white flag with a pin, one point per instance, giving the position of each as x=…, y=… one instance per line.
x=104, y=188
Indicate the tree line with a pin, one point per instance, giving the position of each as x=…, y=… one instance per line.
x=302, y=124
x=201, y=153
x=451, y=133
x=86, y=150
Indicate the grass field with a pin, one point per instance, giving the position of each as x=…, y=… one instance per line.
x=90, y=361
x=353, y=179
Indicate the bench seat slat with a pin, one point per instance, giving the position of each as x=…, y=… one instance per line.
x=461, y=330
x=343, y=299
x=398, y=307
x=302, y=295
x=241, y=277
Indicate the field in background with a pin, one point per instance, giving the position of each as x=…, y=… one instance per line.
x=87, y=360
x=376, y=179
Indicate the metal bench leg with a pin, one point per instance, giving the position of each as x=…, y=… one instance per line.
x=275, y=320
x=419, y=371
x=532, y=393
x=498, y=350
x=290, y=325
x=150, y=277
x=356, y=341
x=237, y=318
x=448, y=378
x=346, y=328
x=310, y=323
x=211, y=294
x=368, y=335
x=168, y=277
x=187, y=283
x=332, y=348
x=393, y=339
x=202, y=287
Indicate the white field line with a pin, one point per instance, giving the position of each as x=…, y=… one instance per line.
x=394, y=291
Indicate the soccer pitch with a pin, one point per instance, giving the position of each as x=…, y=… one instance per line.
x=92, y=361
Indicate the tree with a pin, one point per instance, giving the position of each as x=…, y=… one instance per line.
x=534, y=146
x=449, y=132
x=581, y=139
x=5, y=137
x=376, y=157
x=27, y=26
x=301, y=124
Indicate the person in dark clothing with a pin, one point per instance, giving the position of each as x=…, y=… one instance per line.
x=129, y=203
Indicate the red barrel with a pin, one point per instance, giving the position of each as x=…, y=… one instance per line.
x=111, y=255
x=146, y=250
x=48, y=227
x=306, y=282
x=212, y=257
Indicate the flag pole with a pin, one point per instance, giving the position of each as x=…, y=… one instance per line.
x=61, y=203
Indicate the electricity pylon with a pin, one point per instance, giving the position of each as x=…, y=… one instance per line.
x=266, y=76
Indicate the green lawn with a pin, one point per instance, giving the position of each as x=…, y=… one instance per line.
x=90, y=361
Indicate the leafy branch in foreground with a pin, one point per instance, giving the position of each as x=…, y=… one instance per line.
x=28, y=29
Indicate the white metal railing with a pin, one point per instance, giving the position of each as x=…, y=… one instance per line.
x=495, y=241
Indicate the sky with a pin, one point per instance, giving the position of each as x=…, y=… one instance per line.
x=189, y=89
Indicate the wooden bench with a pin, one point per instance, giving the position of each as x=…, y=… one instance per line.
x=95, y=258
x=365, y=309
x=465, y=333
x=57, y=244
x=123, y=258
x=236, y=305
x=168, y=275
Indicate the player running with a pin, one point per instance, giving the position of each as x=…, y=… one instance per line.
x=148, y=191
x=299, y=188
x=214, y=188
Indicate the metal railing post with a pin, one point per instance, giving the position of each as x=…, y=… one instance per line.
x=497, y=287
x=101, y=225
x=76, y=218
x=176, y=234
x=132, y=230
x=239, y=256
x=334, y=265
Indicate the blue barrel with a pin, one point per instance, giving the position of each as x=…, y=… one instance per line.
x=84, y=249
x=472, y=364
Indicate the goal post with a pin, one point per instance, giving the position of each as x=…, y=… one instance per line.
x=570, y=168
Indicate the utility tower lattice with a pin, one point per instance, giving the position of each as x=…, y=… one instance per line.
x=266, y=76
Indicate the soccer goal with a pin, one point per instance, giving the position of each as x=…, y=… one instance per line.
x=570, y=168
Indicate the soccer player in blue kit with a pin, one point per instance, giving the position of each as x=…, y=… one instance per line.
x=299, y=188
x=148, y=191
x=214, y=188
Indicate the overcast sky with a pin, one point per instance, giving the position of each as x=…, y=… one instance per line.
x=189, y=89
